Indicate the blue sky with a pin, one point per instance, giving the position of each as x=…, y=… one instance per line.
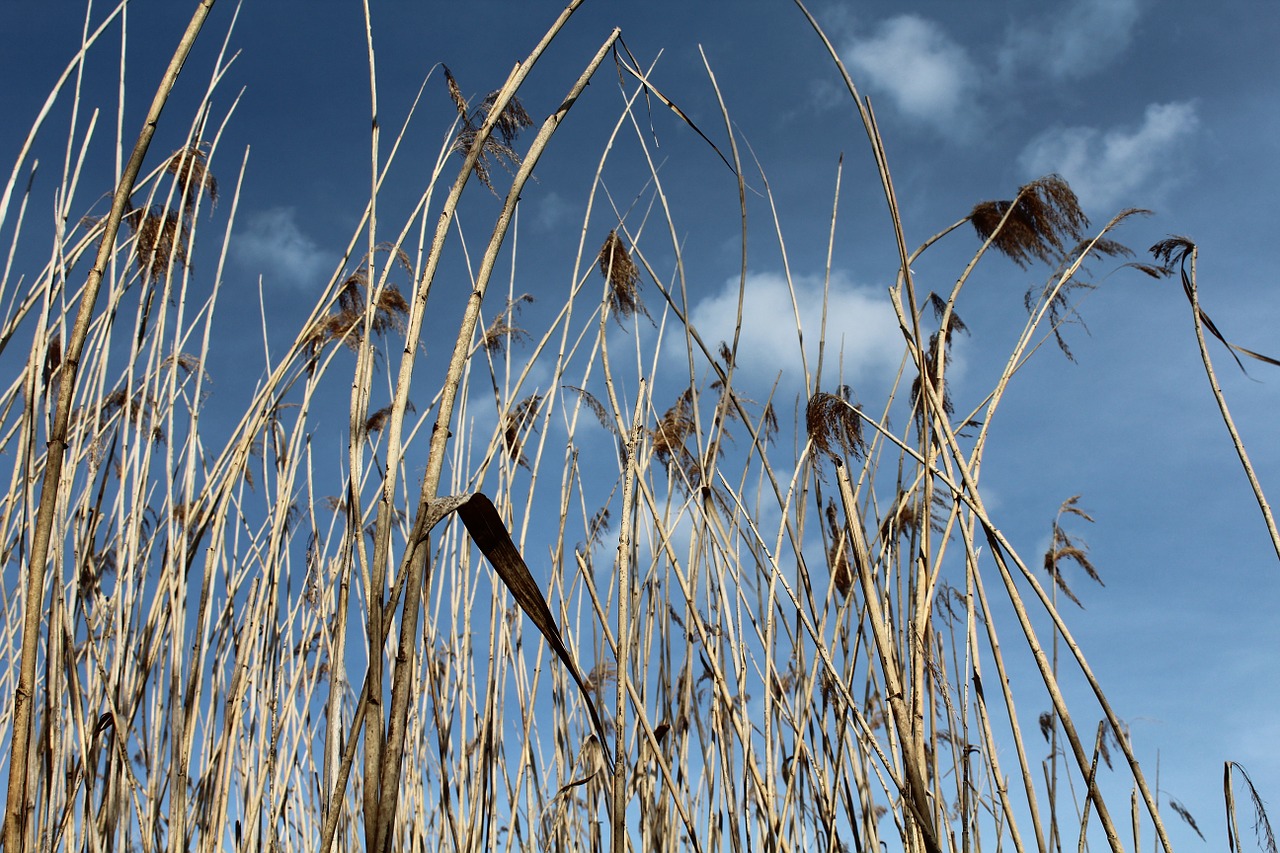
x=1172, y=106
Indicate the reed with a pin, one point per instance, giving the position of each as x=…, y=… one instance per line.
x=575, y=597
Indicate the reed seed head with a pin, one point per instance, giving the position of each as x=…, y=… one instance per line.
x=622, y=276
x=1043, y=220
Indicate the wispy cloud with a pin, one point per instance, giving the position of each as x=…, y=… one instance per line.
x=861, y=327
x=928, y=77
x=1081, y=39
x=552, y=210
x=271, y=244
x=1107, y=168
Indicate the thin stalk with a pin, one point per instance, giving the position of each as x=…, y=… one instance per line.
x=618, y=815
x=1197, y=318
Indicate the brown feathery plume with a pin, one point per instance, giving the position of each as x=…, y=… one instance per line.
x=159, y=234
x=1061, y=310
x=601, y=675
x=1181, y=812
x=1175, y=251
x=1065, y=547
x=338, y=326
x=511, y=121
x=503, y=327
x=351, y=292
x=953, y=324
x=939, y=382
x=675, y=426
x=726, y=354
x=130, y=410
x=190, y=169
x=515, y=422
x=599, y=525
x=346, y=324
x=1172, y=251
x=187, y=363
x=597, y=408
x=838, y=552
x=907, y=515
x=1261, y=823
x=455, y=93
x=1045, y=217
x=378, y=419
x=1046, y=722
x=902, y=520
x=392, y=311
x=832, y=422
x=623, y=277
x=669, y=437
x=769, y=423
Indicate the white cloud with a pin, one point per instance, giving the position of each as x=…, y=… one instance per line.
x=271, y=244
x=928, y=76
x=1084, y=37
x=552, y=210
x=1106, y=169
x=861, y=327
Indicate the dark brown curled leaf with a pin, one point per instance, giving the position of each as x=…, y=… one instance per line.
x=490, y=534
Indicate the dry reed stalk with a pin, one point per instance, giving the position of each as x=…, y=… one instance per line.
x=16, y=801
x=726, y=606
x=626, y=593
x=1179, y=249
x=390, y=765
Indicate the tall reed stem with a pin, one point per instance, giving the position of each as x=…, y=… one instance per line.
x=17, y=802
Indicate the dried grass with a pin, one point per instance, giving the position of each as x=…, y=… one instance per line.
x=206, y=634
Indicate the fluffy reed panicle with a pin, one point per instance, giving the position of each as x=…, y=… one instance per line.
x=159, y=235
x=834, y=424
x=1172, y=251
x=936, y=356
x=1065, y=548
x=378, y=419
x=346, y=322
x=515, y=423
x=1044, y=220
x=623, y=277
x=498, y=146
x=52, y=362
x=673, y=429
x=902, y=520
x=503, y=328
x=190, y=169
